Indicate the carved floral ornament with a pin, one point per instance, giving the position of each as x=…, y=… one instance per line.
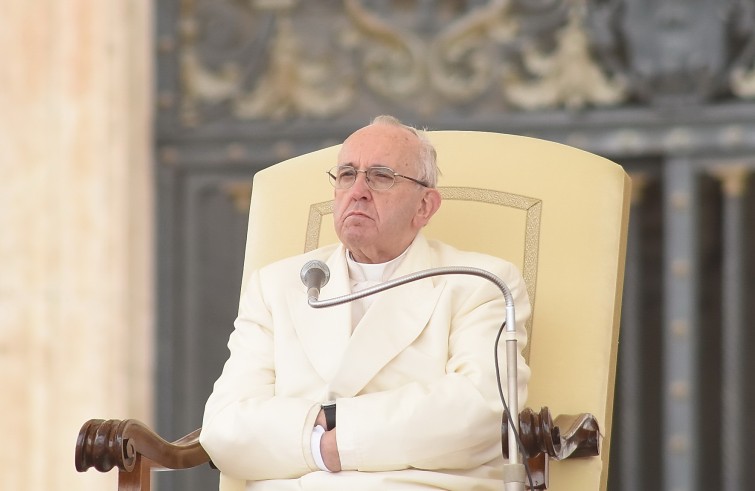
x=276, y=59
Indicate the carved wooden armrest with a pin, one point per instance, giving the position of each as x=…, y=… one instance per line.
x=134, y=448
x=569, y=436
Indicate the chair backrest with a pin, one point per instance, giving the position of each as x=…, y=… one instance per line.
x=559, y=213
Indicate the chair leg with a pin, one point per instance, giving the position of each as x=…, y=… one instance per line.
x=139, y=478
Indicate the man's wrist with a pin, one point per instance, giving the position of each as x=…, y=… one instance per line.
x=329, y=449
x=329, y=408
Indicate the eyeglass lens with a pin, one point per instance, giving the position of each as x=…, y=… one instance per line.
x=377, y=177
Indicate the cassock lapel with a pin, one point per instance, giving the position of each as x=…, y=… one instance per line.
x=396, y=318
x=324, y=332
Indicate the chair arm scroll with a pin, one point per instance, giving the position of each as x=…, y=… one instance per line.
x=104, y=444
x=570, y=436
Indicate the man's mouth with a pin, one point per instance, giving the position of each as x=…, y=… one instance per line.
x=356, y=214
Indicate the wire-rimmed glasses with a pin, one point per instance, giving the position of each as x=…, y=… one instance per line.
x=379, y=178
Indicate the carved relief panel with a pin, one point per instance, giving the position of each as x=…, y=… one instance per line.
x=289, y=59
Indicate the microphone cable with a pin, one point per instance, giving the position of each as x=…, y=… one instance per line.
x=318, y=304
x=507, y=412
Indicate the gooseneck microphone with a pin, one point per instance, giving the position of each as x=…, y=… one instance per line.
x=315, y=274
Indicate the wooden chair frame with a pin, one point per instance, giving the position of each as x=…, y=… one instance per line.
x=601, y=201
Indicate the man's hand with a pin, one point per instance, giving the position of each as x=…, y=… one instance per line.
x=328, y=445
x=329, y=451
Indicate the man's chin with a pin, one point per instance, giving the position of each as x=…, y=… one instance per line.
x=356, y=240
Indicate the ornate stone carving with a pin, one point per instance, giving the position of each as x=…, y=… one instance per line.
x=676, y=52
x=463, y=59
x=291, y=83
x=427, y=54
x=457, y=60
x=278, y=59
x=294, y=85
x=568, y=76
x=391, y=57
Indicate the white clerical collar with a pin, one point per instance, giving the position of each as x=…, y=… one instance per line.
x=378, y=272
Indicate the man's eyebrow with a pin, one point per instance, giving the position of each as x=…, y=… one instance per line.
x=377, y=164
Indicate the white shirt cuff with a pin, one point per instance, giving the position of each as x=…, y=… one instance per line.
x=317, y=433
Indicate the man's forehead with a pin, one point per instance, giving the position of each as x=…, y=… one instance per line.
x=379, y=135
x=387, y=146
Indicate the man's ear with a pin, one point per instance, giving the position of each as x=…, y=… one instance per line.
x=428, y=206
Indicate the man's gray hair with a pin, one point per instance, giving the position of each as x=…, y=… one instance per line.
x=428, y=157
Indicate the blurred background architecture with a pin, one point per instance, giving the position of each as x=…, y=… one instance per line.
x=131, y=131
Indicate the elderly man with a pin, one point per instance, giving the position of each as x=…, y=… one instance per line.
x=395, y=391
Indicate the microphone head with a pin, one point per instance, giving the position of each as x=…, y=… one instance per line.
x=315, y=274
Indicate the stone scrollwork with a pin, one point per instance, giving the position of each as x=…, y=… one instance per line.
x=391, y=58
x=267, y=74
x=256, y=59
x=276, y=59
x=742, y=77
x=200, y=84
x=462, y=58
x=197, y=82
x=457, y=60
x=676, y=53
x=293, y=85
x=208, y=32
x=568, y=76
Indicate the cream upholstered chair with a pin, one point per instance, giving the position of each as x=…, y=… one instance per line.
x=559, y=213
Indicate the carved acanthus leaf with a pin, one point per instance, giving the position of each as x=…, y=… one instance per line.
x=743, y=83
x=293, y=85
x=568, y=76
x=461, y=61
x=205, y=85
x=392, y=59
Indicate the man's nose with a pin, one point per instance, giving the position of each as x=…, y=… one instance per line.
x=361, y=186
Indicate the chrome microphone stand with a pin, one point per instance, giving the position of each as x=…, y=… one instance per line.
x=514, y=471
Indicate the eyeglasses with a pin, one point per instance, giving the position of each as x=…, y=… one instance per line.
x=378, y=178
